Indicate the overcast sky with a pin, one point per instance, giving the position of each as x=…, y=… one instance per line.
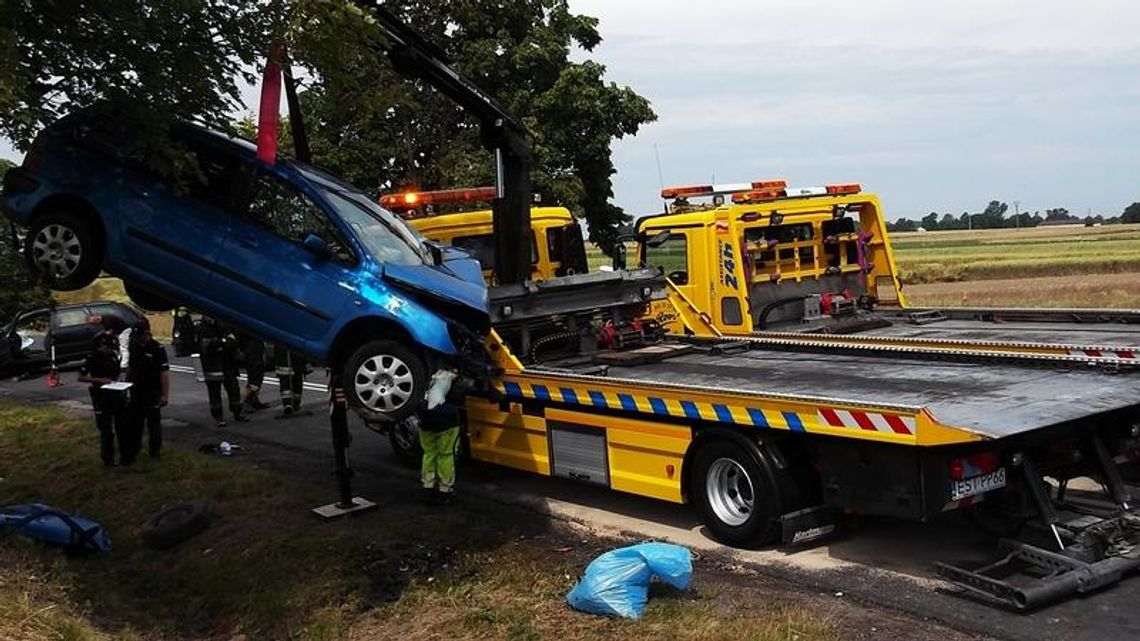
x=935, y=106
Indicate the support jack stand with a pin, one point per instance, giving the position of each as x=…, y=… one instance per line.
x=338, y=420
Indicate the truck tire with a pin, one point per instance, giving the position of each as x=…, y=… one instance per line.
x=385, y=381
x=66, y=249
x=735, y=491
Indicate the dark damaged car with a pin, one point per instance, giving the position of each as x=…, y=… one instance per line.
x=284, y=250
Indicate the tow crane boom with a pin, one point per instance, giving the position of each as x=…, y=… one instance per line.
x=412, y=55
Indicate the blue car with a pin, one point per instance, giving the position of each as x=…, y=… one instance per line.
x=284, y=251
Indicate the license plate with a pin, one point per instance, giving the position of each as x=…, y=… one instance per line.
x=977, y=485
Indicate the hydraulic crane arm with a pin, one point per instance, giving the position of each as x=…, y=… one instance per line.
x=412, y=55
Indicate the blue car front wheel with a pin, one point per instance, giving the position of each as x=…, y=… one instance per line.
x=385, y=381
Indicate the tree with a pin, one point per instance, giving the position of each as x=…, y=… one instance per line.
x=18, y=290
x=164, y=59
x=903, y=224
x=992, y=217
x=158, y=59
x=1131, y=214
x=383, y=133
x=930, y=221
x=1059, y=213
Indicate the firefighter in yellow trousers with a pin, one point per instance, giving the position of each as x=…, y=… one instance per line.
x=439, y=438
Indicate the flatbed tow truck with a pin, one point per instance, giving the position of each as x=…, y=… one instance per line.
x=774, y=435
x=772, y=442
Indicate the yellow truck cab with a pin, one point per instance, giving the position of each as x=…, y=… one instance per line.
x=556, y=244
x=768, y=258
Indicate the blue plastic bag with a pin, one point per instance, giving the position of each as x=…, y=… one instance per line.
x=617, y=582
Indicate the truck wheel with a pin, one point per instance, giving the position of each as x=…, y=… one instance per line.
x=404, y=436
x=66, y=249
x=736, y=494
x=385, y=381
x=147, y=300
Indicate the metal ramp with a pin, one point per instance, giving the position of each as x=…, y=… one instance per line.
x=1079, y=545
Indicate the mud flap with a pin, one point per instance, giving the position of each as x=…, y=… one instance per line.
x=809, y=525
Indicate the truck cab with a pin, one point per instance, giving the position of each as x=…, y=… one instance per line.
x=556, y=244
x=769, y=257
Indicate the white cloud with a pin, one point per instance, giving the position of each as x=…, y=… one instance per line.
x=936, y=106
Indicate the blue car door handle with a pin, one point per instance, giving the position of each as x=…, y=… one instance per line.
x=247, y=241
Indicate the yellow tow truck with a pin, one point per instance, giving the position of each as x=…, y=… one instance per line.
x=795, y=267
x=777, y=441
x=556, y=244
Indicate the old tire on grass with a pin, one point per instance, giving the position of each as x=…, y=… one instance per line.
x=385, y=381
x=65, y=248
x=175, y=524
x=734, y=488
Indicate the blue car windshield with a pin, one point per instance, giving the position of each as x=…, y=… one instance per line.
x=385, y=235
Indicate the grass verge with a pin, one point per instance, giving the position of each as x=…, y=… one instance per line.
x=266, y=569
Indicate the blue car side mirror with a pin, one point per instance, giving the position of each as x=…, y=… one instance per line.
x=317, y=245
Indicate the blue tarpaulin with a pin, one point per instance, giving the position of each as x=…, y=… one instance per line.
x=49, y=525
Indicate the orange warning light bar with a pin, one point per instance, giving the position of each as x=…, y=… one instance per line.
x=776, y=183
x=839, y=190
x=758, y=195
x=689, y=190
x=414, y=199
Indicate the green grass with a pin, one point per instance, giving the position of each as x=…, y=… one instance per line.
x=267, y=569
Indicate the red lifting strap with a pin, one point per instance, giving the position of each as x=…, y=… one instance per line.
x=268, y=116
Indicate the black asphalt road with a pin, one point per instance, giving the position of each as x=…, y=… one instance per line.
x=886, y=562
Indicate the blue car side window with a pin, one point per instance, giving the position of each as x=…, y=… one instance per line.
x=290, y=214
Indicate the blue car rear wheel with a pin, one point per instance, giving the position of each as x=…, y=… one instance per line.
x=65, y=248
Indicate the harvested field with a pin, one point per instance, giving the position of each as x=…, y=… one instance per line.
x=935, y=257
x=1100, y=290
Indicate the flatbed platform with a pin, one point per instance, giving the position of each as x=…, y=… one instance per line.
x=991, y=399
x=1116, y=334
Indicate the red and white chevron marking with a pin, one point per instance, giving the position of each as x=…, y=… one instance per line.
x=1103, y=353
x=870, y=421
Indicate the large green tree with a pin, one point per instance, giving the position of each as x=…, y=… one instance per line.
x=157, y=58
x=162, y=59
x=382, y=132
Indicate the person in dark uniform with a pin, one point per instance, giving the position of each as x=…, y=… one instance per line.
x=148, y=370
x=290, y=369
x=220, y=369
x=101, y=368
x=254, y=350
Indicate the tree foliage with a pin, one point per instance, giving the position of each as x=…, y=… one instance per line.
x=158, y=58
x=18, y=289
x=164, y=59
x=381, y=132
x=1131, y=214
